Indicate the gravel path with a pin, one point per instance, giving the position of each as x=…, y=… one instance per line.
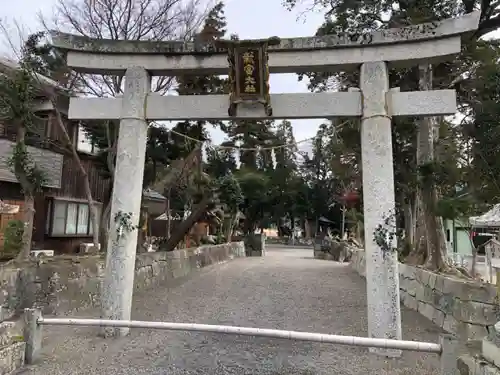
x=286, y=289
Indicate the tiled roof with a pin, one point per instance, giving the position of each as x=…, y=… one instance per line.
x=151, y=194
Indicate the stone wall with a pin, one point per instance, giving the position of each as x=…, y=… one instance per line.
x=64, y=284
x=336, y=250
x=466, y=308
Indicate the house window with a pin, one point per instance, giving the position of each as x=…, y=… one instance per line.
x=69, y=219
x=83, y=225
x=84, y=143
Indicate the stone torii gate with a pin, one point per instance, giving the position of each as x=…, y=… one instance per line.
x=374, y=102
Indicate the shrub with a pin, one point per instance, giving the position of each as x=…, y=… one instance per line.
x=13, y=239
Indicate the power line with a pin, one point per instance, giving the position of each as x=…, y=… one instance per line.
x=257, y=148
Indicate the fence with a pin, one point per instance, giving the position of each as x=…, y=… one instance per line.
x=487, y=266
x=447, y=348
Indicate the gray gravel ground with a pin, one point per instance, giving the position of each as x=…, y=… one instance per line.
x=286, y=289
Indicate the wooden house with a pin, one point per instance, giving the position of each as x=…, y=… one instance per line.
x=62, y=220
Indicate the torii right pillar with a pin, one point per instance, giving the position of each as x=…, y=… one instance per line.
x=382, y=276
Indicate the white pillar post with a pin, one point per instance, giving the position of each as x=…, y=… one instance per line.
x=382, y=278
x=118, y=284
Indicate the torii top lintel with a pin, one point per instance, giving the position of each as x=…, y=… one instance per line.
x=427, y=41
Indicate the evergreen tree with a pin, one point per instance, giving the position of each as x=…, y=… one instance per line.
x=368, y=15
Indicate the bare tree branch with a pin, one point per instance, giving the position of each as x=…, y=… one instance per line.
x=158, y=20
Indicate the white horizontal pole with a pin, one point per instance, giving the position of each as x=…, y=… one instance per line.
x=291, y=106
x=246, y=331
x=329, y=60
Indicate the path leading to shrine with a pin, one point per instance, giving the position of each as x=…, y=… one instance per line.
x=286, y=289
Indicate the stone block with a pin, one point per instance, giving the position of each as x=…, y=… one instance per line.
x=411, y=302
x=450, y=324
x=426, y=310
x=432, y=280
x=494, y=333
x=490, y=351
x=402, y=296
x=438, y=317
x=172, y=255
x=439, y=285
x=420, y=291
x=402, y=281
x=476, y=312
x=410, y=272
x=423, y=276
x=444, y=302
x=161, y=256
x=6, y=333
x=403, y=269
x=478, y=366
x=451, y=286
x=12, y=358
x=155, y=268
x=418, y=274
x=469, y=365
x=470, y=291
x=465, y=365
x=237, y=249
x=468, y=331
x=437, y=298
x=428, y=295
x=479, y=292
x=412, y=286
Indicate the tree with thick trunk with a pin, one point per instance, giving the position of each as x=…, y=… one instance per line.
x=430, y=244
x=31, y=180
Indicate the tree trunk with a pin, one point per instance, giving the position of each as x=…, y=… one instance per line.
x=409, y=225
x=106, y=213
x=430, y=243
x=84, y=177
x=104, y=227
x=169, y=215
x=142, y=231
x=28, y=219
x=474, y=262
x=29, y=200
x=307, y=229
x=359, y=232
x=230, y=227
x=185, y=226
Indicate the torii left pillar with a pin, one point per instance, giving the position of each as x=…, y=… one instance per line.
x=118, y=283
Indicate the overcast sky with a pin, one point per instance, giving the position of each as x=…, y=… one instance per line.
x=248, y=19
